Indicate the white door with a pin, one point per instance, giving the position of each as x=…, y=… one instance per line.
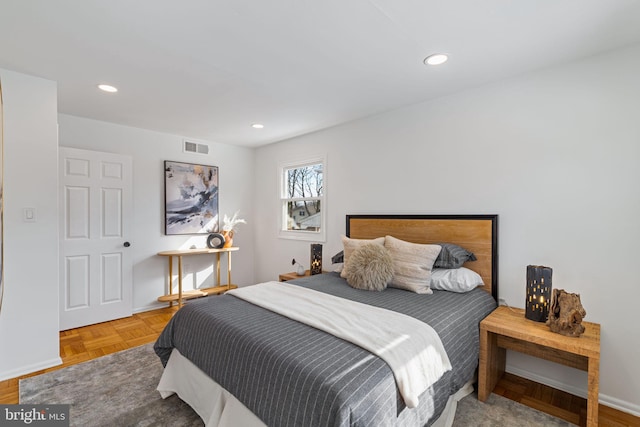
x=95, y=259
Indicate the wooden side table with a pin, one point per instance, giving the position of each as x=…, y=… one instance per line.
x=293, y=275
x=507, y=328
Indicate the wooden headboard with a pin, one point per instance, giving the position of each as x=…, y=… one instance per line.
x=476, y=233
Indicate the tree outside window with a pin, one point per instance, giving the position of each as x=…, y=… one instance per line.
x=302, y=200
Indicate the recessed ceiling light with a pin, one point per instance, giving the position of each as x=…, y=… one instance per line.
x=436, y=59
x=257, y=126
x=108, y=88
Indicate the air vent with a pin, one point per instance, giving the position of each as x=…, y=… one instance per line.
x=194, y=147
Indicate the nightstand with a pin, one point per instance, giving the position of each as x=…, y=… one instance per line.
x=293, y=275
x=507, y=328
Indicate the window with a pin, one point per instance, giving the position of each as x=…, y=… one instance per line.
x=302, y=200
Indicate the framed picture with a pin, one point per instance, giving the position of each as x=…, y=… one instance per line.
x=190, y=198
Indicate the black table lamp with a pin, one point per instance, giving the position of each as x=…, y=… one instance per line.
x=538, y=293
x=316, y=258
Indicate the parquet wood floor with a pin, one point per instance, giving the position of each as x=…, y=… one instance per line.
x=559, y=403
x=90, y=342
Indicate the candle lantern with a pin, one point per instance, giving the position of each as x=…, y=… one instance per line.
x=538, y=297
x=316, y=258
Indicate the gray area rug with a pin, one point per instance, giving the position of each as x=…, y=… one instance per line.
x=499, y=411
x=120, y=390
x=115, y=390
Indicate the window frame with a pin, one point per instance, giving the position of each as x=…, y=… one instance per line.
x=283, y=199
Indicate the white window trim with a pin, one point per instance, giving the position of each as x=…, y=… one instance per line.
x=308, y=236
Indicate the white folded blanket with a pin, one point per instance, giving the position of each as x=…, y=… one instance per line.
x=412, y=349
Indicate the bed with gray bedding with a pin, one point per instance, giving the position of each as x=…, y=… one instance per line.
x=290, y=374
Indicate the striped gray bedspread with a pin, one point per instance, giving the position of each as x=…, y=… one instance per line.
x=290, y=374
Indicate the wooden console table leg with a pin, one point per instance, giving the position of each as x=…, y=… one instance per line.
x=492, y=364
x=180, y=281
x=170, y=282
x=593, y=381
x=217, y=269
x=228, y=270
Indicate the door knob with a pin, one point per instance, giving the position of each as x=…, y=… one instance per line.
x=127, y=244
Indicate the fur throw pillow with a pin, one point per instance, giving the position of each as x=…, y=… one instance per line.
x=370, y=267
x=351, y=245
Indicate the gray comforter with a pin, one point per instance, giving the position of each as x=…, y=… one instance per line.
x=290, y=374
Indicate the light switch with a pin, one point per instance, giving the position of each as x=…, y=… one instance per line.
x=29, y=215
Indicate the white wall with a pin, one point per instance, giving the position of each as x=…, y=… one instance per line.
x=149, y=150
x=29, y=316
x=554, y=153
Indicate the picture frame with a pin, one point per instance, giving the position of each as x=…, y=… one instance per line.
x=190, y=198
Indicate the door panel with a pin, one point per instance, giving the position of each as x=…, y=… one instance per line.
x=77, y=284
x=77, y=213
x=112, y=212
x=111, y=278
x=96, y=282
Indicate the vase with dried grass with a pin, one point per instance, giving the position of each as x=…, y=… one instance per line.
x=229, y=228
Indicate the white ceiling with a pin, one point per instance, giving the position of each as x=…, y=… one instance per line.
x=208, y=69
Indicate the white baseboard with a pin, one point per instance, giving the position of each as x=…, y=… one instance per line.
x=620, y=405
x=604, y=399
x=23, y=370
x=150, y=307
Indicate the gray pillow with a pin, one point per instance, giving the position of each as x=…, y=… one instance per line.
x=370, y=268
x=453, y=256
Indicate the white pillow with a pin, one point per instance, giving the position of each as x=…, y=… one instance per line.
x=350, y=245
x=455, y=279
x=412, y=263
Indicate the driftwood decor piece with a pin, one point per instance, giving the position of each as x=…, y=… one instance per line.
x=566, y=314
x=538, y=293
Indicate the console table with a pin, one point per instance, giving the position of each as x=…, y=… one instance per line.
x=170, y=297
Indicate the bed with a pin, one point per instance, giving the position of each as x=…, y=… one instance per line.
x=237, y=363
